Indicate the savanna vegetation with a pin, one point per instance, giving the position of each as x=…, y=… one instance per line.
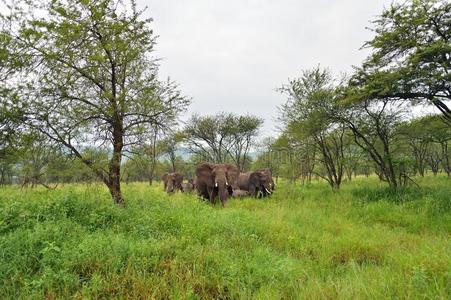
x=306, y=242
x=361, y=208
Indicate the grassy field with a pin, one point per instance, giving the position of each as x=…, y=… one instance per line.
x=306, y=242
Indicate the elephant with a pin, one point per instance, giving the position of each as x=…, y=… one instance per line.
x=258, y=183
x=240, y=193
x=268, y=172
x=243, y=181
x=189, y=186
x=172, y=181
x=216, y=180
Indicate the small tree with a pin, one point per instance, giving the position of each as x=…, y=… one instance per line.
x=268, y=156
x=418, y=138
x=374, y=124
x=143, y=159
x=308, y=116
x=209, y=136
x=35, y=154
x=243, y=134
x=440, y=135
x=222, y=137
x=169, y=146
x=353, y=155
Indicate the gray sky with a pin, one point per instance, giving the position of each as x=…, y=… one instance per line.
x=231, y=55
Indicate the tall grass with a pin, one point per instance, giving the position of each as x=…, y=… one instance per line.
x=306, y=242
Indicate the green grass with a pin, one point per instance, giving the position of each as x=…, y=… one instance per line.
x=306, y=242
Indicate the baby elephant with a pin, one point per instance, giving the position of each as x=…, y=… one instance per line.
x=188, y=187
x=240, y=193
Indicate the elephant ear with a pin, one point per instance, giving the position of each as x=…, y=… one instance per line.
x=178, y=177
x=232, y=174
x=165, y=176
x=204, y=173
x=255, y=177
x=268, y=172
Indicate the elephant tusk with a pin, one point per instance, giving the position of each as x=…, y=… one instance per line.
x=216, y=184
x=268, y=191
x=227, y=183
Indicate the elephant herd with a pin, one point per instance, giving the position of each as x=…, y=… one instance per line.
x=222, y=181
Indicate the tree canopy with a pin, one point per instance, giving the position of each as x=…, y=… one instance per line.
x=223, y=136
x=91, y=66
x=411, y=55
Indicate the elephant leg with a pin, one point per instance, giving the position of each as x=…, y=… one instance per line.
x=211, y=195
x=252, y=191
x=260, y=192
x=263, y=193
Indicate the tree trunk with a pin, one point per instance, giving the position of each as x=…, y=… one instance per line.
x=154, y=157
x=349, y=174
x=151, y=171
x=388, y=167
x=335, y=186
x=114, y=179
x=332, y=157
x=115, y=191
x=173, y=166
x=419, y=152
x=446, y=162
x=2, y=177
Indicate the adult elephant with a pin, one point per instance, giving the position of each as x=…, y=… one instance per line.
x=268, y=173
x=243, y=181
x=216, y=180
x=172, y=181
x=257, y=183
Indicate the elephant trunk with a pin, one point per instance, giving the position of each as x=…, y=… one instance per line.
x=170, y=186
x=222, y=191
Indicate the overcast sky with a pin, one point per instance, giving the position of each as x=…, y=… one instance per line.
x=231, y=55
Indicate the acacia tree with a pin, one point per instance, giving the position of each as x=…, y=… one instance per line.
x=428, y=138
x=223, y=136
x=11, y=62
x=308, y=116
x=411, y=55
x=374, y=124
x=93, y=79
x=269, y=156
x=141, y=164
x=440, y=135
x=143, y=158
x=35, y=155
x=353, y=155
x=417, y=136
x=209, y=136
x=8, y=135
x=245, y=129
x=296, y=155
x=169, y=146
